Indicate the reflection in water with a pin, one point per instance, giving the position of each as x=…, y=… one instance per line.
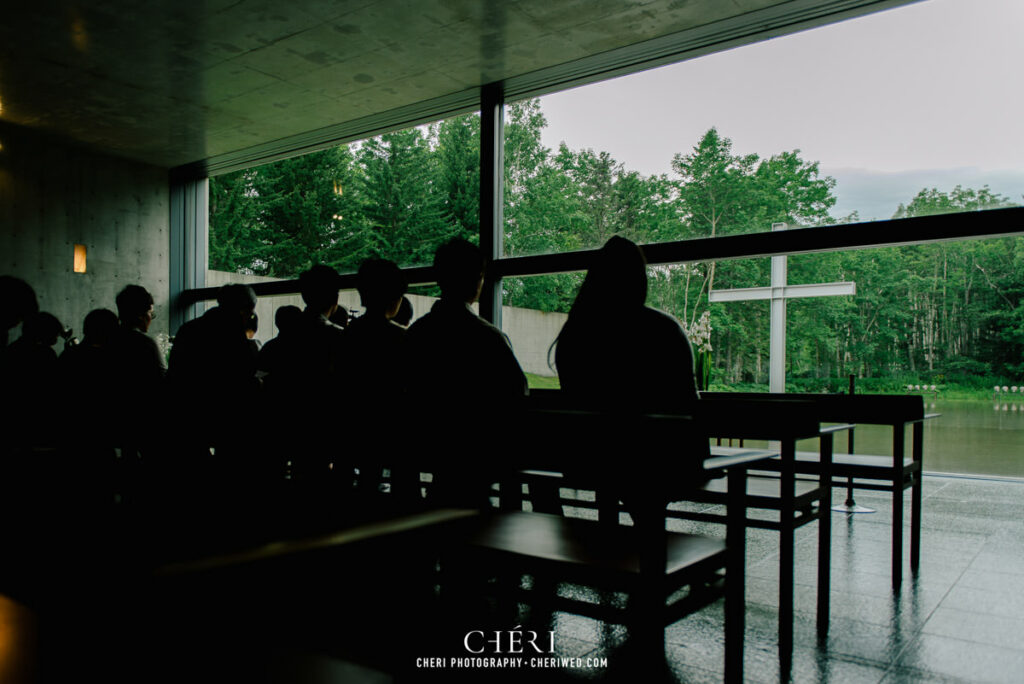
x=969, y=437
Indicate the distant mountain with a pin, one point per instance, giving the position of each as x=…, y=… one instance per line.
x=876, y=194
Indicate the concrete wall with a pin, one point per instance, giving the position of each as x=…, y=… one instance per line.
x=530, y=331
x=53, y=196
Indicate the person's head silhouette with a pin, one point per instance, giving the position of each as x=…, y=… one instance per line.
x=135, y=307
x=616, y=279
x=42, y=329
x=99, y=328
x=381, y=285
x=237, y=300
x=287, y=317
x=459, y=269
x=17, y=300
x=319, y=289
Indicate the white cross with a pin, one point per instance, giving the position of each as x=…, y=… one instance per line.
x=778, y=293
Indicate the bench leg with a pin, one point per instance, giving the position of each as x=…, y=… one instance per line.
x=787, y=509
x=897, y=506
x=825, y=536
x=735, y=575
x=916, y=493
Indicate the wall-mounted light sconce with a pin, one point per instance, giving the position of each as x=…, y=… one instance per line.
x=337, y=189
x=79, y=258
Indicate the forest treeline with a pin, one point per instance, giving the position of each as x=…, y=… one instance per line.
x=933, y=313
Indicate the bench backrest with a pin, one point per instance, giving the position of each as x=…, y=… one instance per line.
x=746, y=416
x=870, y=409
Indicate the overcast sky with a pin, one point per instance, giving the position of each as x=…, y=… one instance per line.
x=924, y=95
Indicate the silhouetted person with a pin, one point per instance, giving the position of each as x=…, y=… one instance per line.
x=642, y=362
x=458, y=357
x=376, y=344
x=212, y=377
x=17, y=300
x=379, y=359
x=308, y=383
x=644, y=359
x=405, y=313
x=287, y=319
x=89, y=374
x=462, y=370
x=140, y=363
x=30, y=366
x=87, y=370
x=311, y=358
x=212, y=361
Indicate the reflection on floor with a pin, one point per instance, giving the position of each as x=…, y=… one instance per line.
x=379, y=615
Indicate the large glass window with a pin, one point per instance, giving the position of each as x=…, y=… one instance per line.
x=897, y=114
x=943, y=320
x=396, y=196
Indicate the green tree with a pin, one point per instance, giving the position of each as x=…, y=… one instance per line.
x=232, y=240
x=402, y=202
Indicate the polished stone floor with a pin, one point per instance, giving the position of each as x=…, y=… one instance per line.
x=961, y=619
x=371, y=613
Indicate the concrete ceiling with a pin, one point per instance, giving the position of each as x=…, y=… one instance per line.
x=176, y=82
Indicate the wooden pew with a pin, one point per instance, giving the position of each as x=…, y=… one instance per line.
x=645, y=559
x=798, y=502
x=894, y=473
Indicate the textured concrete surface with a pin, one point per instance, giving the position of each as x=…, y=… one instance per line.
x=54, y=196
x=173, y=83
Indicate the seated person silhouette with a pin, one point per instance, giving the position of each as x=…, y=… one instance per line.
x=312, y=357
x=643, y=359
x=379, y=361
x=89, y=373
x=461, y=371
x=307, y=381
x=640, y=363
x=376, y=343
x=29, y=376
x=141, y=366
x=287, y=318
x=88, y=368
x=17, y=301
x=459, y=358
x=211, y=358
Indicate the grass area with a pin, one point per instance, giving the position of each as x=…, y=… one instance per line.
x=949, y=391
x=542, y=381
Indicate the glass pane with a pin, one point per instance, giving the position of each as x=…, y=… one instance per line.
x=808, y=129
x=396, y=196
x=534, y=310
x=945, y=321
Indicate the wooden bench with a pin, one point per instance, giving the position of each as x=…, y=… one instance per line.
x=798, y=502
x=892, y=473
x=644, y=559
